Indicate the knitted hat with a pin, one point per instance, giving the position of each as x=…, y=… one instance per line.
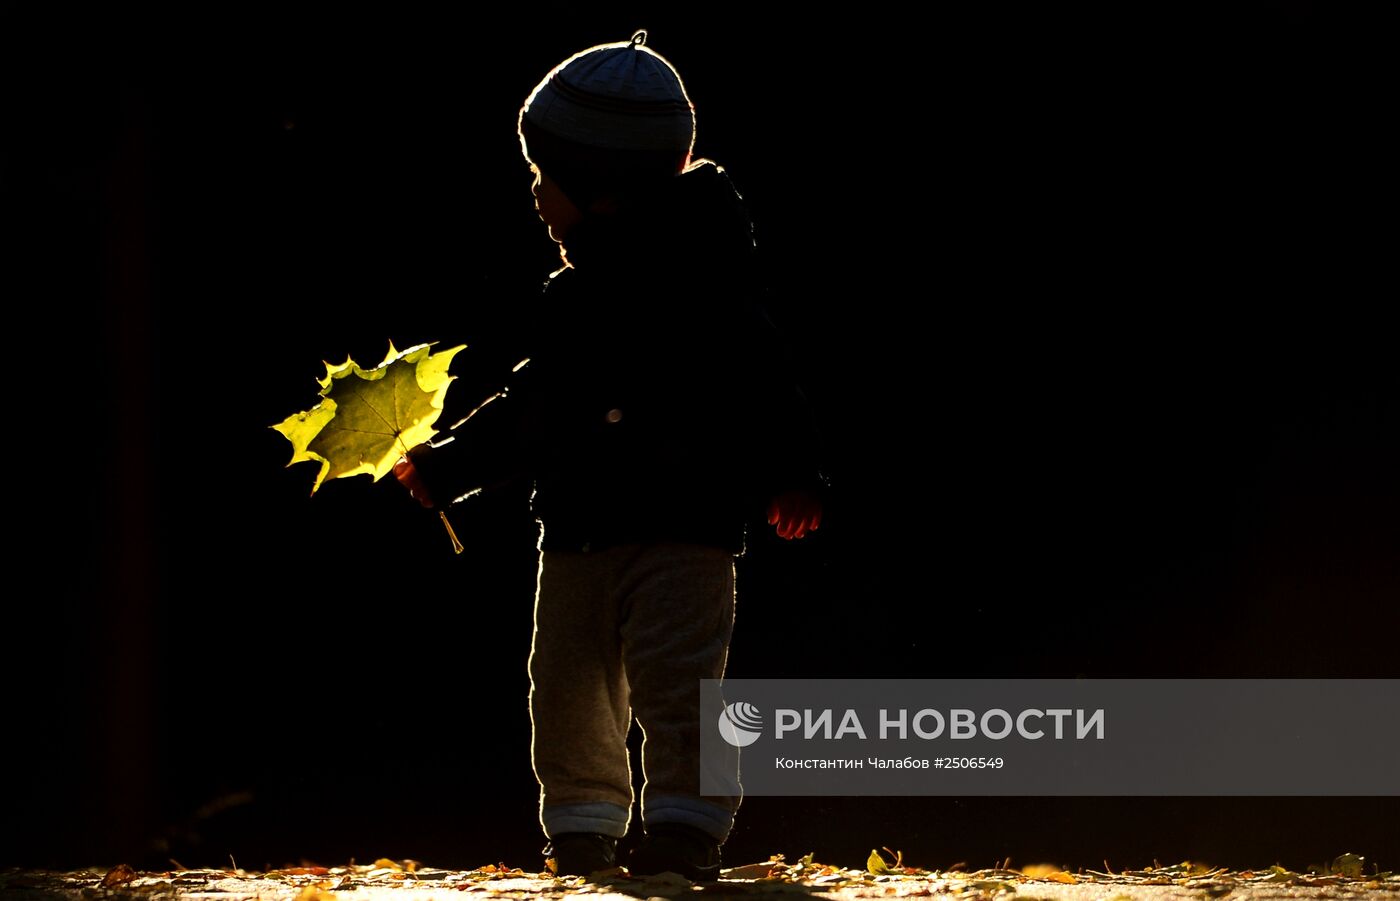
x=610, y=118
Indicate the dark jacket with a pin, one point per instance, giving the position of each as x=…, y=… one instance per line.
x=657, y=404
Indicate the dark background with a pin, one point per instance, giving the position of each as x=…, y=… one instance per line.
x=1086, y=298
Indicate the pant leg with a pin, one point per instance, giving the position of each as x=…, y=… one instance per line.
x=677, y=622
x=579, y=698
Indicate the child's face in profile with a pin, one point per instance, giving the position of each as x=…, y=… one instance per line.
x=554, y=207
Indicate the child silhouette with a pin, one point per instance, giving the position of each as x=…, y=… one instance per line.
x=656, y=418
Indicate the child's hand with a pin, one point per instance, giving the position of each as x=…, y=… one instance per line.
x=409, y=478
x=795, y=513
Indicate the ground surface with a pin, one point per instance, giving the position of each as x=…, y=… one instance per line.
x=1346, y=878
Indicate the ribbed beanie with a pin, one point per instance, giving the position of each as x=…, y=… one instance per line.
x=610, y=118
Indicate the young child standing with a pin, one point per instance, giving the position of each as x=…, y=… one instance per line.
x=656, y=418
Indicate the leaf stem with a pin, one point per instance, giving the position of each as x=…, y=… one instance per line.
x=456, y=545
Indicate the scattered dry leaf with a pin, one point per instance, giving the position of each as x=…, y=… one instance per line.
x=315, y=893
x=120, y=874
x=1048, y=871
x=751, y=871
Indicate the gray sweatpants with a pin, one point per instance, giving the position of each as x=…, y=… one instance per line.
x=627, y=630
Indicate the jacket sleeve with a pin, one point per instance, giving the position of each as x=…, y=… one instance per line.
x=487, y=451
x=483, y=447
x=789, y=455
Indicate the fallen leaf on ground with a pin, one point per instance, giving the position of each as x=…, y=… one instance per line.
x=315, y=893
x=120, y=874
x=1048, y=871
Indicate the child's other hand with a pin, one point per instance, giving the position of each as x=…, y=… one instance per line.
x=409, y=478
x=795, y=513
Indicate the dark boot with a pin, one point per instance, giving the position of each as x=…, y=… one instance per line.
x=677, y=848
x=581, y=853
